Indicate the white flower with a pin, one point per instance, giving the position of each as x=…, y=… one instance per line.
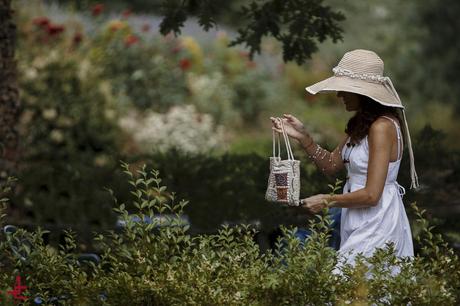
x=57, y=136
x=31, y=73
x=101, y=160
x=211, y=94
x=49, y=113
x=182, y=128
x=138, y=74
x=84, y=69
x=110, y=114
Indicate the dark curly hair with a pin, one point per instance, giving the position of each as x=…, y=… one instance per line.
x=358, y=125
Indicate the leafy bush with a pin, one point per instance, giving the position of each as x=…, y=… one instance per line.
x=438, y=167
x=74, y=89
x=62, y=110
x=229, y=188
x=149, y=264
x=146, y=74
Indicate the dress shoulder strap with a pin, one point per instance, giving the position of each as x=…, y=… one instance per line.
x=398, y=133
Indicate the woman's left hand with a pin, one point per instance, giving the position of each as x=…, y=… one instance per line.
x=315, y=203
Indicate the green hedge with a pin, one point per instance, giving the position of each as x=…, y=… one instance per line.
x=228, y=187
x=144, y=265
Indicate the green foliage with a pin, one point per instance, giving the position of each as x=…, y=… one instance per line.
x=296, y=24
x=163, y=264
x=438, y=167
x=147, y=76
x=74, y=96
x=438, y=50
x=62, y=109
x=229, y=188
x=5, y=188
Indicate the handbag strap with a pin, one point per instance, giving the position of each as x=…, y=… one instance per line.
x=279, y=146
x=286, y=142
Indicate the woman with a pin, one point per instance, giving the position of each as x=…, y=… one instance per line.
x=373, y=213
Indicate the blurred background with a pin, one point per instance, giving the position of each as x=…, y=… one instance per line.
x=99, y=84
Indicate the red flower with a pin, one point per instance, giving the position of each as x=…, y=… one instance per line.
x=54, y=29
x=145, y=27
x=131, y=40
x=97, y=9
x=41, y=21
x=185, y=64
x=126, y=13
x=77, y=38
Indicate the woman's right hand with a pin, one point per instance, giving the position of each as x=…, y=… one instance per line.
x=293, y=127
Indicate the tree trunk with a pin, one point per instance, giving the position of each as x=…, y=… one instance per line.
x=9, y=94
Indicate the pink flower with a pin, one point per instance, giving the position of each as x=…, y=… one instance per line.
x=185, y=64
x=97, y=9
x=131, y=40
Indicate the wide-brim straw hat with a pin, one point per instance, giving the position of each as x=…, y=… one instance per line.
x=361, y=72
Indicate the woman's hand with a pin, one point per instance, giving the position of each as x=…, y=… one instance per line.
x=293, y=127
x=316, y=203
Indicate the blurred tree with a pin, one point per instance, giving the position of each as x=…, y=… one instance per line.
x=439, y=50
x=9, y=96
x=297, y=24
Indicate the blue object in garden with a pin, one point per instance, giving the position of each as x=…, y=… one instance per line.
x=336, y=215
x=334, y=242
x=163, y=220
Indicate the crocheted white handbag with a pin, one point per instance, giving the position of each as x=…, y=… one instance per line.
x=284, y=179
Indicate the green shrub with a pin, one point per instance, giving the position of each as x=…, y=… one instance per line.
x=149, y=265
x=229, y=188
x=68, y=130
x=147, y=76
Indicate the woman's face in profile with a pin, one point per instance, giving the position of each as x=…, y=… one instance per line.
x=351, y=100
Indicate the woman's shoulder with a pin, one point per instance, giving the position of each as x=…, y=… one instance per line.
x=389, y=118
x=382, y=126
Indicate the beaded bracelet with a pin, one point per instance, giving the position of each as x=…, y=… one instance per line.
x=315, y=155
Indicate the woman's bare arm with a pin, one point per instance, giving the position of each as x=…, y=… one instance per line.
x=328, y=162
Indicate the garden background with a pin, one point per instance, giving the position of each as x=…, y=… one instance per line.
x=99, y=84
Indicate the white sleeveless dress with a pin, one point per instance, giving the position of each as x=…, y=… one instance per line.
x=365, y=229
